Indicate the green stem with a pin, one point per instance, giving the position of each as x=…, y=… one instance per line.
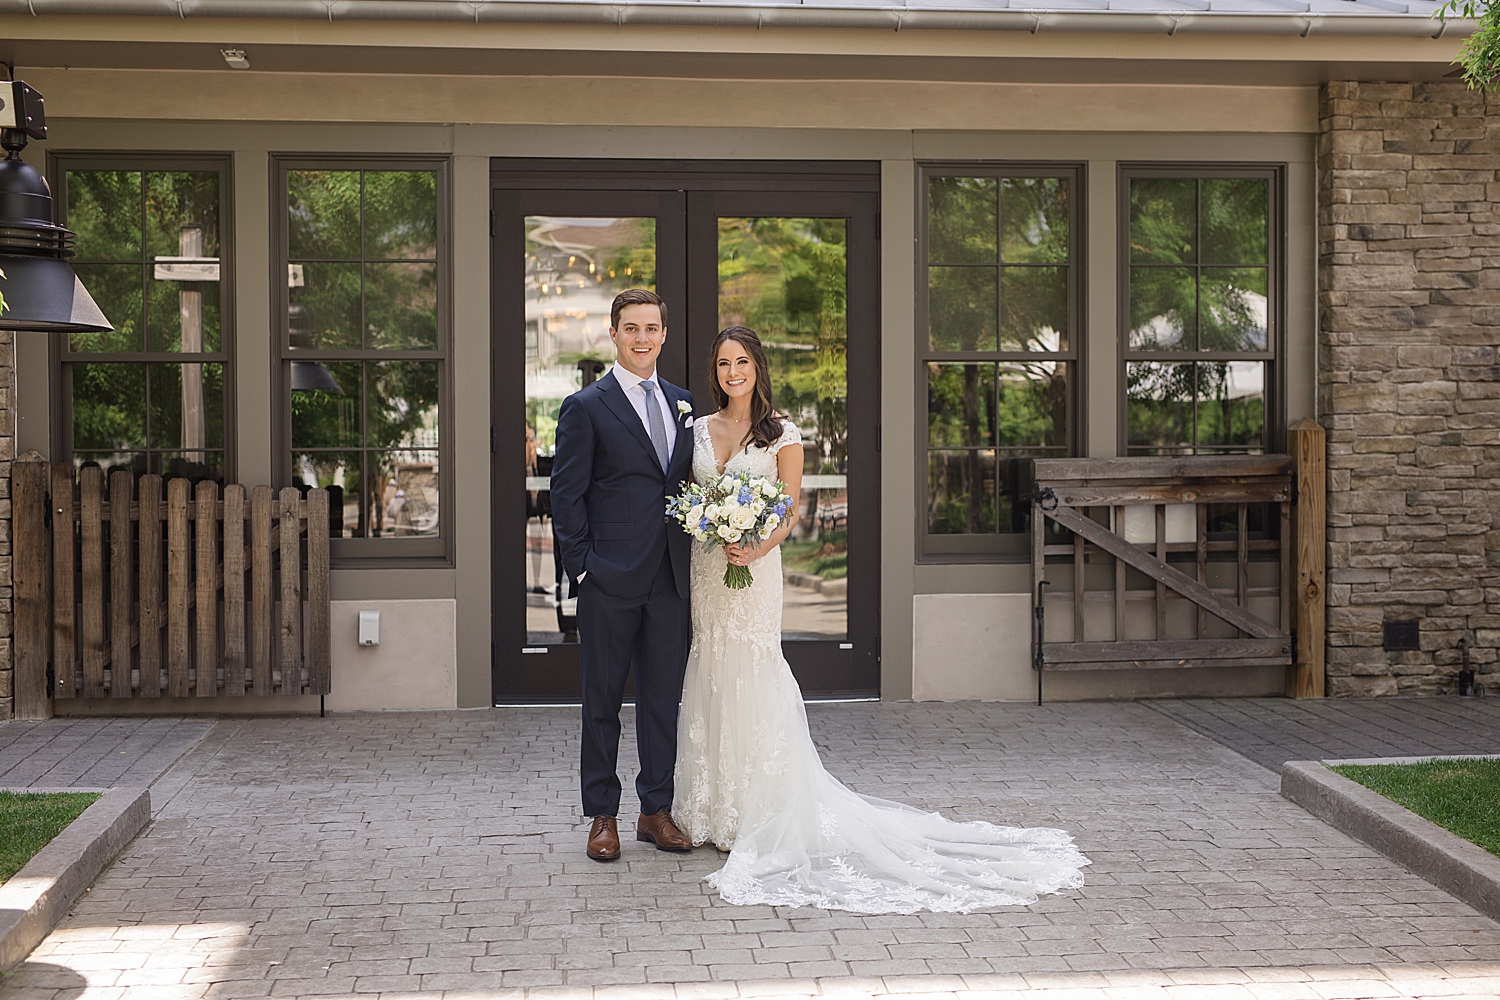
x=737, y=577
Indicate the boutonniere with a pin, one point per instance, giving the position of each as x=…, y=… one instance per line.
x=684, y=409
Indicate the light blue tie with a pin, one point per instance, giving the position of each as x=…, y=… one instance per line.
x=654, y=421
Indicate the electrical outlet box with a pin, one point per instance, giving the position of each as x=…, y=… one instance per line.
x=369, y=628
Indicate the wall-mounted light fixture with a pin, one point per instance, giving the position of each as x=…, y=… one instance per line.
x=236, y=58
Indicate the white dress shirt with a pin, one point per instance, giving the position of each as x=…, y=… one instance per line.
x=637, y=396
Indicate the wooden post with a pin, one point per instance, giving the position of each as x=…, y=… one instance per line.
x=30, y=556
x=121, y=485
x=1306, y=443
x=291, y=592
x=64, y=589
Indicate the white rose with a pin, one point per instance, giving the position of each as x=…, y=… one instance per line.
x=696, y=514
x=712, y=512
x=743, y=519
x=727, y=533
x=727, y=485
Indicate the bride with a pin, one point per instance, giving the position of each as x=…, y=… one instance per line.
x=748, y=777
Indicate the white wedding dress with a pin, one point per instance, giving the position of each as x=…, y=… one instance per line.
x=749, y=779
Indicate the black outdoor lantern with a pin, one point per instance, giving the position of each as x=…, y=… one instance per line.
x=41, y=291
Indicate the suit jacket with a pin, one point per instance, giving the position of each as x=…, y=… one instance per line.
x=609, y=492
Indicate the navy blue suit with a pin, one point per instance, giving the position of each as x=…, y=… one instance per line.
x=609, y=497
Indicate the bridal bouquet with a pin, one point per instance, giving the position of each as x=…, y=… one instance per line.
x=732, y=508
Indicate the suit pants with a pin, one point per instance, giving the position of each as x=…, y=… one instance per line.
x=650, y=634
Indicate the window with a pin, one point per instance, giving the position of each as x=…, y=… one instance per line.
x=364, y=347
x=998, y=347
x=150, y=396
x=1201, y=302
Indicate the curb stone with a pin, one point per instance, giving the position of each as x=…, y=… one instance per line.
x=39, y=895
x=1445, y=859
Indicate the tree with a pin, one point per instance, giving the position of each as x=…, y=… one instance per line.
x=1480, y=55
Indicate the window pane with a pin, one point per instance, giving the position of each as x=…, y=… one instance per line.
x=401, y=214
x=1233, y=309
x=182, y=214
x=962, y=306
x=340, y=469
x=325, y=309
x=961, y=492
x=104, y=209
x=182, y=316
x=109, y=461
x=1163, y=309
x=1032, y=409
x=961, y=220
x=403, y=494
x=117, y=290
x=401, y=306
x=187, y=407
x=1159, y=406
x=1034, y=309
x=1235, y=220
x=109, y=407
x=325, y=417
x=401, y=404
x=1231, y=405
x=191, y=465
x=960, y=405
x=323, y=209
x=1034, y=220
x=1163, y=221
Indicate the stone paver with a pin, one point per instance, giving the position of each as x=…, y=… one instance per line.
x=1272, y=731
x=94, y=753
x=386, y=854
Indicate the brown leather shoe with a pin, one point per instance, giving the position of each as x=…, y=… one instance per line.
x=604, y=839
x=661, y=831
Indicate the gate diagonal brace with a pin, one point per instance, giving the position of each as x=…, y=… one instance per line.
x=1162, y=573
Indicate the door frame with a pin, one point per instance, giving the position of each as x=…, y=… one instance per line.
x=698, y=191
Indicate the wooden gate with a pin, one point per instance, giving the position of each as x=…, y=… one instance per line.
x=1157, y=516
x=143, y=588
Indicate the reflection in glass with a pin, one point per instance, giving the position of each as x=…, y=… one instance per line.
x=961, y=308
x=1231, y=406
x=104, y=209
x=786, y=278
x=1031, y=411
x=961, y=405
x=177, y=201
x=1034, y=220
x=109, y=407
x=403, y=493
x=1233, y=309
x=961, y=220
x=323, y=210
x=183, y=316
x=961, y=492
x=574, y=268
x=1229, y=414
x=187, y=407
x=401, y=214
x=1163, y=221
x=1034, y=309
x=401, y=306
x=326, y=298
x=1159, y=400
x=1163, y=309
x=1235, y=220
x=341, y=469
x=326, y=419
x=117, y=289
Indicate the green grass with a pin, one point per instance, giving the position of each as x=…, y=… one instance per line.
x=1461, y=796
x=827, y=557
x=28, y=821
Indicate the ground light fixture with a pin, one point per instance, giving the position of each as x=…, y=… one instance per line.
x=42, y=294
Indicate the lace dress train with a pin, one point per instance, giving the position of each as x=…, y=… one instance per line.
x=749, y=779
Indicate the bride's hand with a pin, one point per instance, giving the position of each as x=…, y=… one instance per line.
x=740, y=554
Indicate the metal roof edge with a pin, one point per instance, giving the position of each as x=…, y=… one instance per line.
x=806, y=15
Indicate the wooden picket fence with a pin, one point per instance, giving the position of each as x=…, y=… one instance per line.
x=144, y=588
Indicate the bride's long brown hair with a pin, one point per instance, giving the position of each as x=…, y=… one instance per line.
x=765, y=422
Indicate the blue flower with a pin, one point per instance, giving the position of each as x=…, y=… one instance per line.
x=703, y=524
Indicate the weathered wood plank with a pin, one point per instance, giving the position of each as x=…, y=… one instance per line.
x=178, y=681
x=91, y=537
x=206, y=572
x=1095, y=470
x=262, y=630
x=148, y=492
x=1307, y=443
x=319, y=667
x=1201, y=545
x=64, y=586
x=29, y=558
x=1119, y=584
x=1078, y=582
x=1242, y=555
x=291, y=594
x=1273, y=490
x=1161, y=554
x=1287, y=575
x=1160, y=571
x=121, y=570
x=1248, y=661
x=234, y=589
x=1170, y=649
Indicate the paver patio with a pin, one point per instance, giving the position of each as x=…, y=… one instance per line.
x=395, y=853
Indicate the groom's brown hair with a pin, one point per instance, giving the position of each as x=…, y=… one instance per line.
x=636, y=297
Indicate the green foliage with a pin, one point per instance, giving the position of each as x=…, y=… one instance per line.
x=1461, y=796
x=28, y=821
x=1480, y=54
x=826, y=556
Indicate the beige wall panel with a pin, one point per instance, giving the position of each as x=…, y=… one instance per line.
x=898, y=495
x=619, y=101
x=253, y=331
x=972, y=647
x=415, y=667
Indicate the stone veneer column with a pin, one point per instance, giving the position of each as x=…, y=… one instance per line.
x=1408, y=379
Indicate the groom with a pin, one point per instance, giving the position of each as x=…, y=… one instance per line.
x=623, y=447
